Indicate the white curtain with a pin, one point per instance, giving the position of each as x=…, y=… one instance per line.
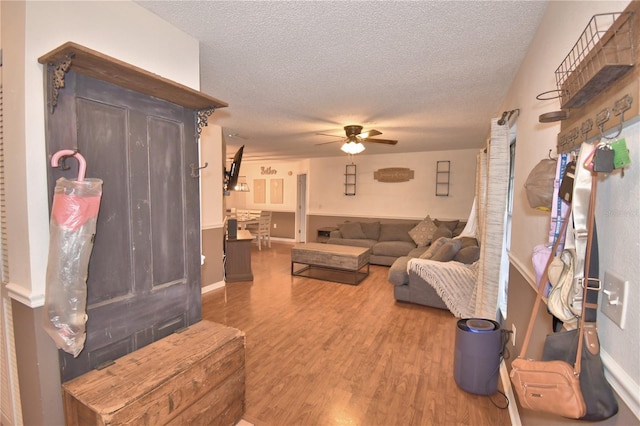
x=491, y=192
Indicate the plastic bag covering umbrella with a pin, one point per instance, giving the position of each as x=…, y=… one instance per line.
x=72, y=229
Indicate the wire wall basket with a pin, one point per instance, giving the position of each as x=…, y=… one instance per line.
x=603, y=53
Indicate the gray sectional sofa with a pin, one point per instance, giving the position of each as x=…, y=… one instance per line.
x=390, y=241
x=387, y=241
x=410, y=287
x=395, y=244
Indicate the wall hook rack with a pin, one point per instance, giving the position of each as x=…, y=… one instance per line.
x=195, y=170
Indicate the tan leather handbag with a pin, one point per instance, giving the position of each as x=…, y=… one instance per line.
x=549, y=386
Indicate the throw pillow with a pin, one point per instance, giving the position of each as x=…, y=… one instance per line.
x=352, y=230
x=468, y=255
x=434, y=247
x=423, y=232
x=441, y=232
x=371, y=230
x=468, y=242
x=448, y=251
x=451, y=224
x=459, y=228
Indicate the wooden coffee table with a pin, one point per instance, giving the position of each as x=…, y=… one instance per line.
x=330, y=262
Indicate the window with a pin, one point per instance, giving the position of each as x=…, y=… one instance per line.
x=504, y=284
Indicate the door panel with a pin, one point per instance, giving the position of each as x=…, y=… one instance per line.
x=144, y=273
x=166, y=195
x=102, y=139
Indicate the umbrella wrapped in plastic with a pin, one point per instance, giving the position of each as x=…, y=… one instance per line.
x=72, y=229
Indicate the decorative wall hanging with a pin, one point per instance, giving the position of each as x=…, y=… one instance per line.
x=276, y=191
x=393, y=174
x=268, y=171
x=259, y=191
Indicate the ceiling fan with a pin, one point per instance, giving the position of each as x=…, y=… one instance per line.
x=353, y=143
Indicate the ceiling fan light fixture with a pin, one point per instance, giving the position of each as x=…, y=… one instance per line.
x=351, y=147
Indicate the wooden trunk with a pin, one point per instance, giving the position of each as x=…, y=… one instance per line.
x=196, y=376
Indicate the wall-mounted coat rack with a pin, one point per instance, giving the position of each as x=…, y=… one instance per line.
x=598, y=80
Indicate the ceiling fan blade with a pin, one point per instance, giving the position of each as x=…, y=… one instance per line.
x=369, y=133
x=385, y=141
x=325, y=143
x=327, y=134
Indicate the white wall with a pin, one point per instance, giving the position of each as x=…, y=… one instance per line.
x=618, y=201
x=121, y=29
x=267, y=170
x=414, y=199
x=211, y=214
x=325, y=181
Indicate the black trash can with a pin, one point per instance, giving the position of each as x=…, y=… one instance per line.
x=477, y=355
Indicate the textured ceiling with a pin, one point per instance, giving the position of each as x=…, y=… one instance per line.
x=429, y=74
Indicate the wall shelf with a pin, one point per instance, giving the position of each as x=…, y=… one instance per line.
x=74, y=57
x=617, y=102
x=443, y=176
x=350, y=180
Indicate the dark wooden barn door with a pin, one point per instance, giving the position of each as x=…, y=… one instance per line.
x=144, y=273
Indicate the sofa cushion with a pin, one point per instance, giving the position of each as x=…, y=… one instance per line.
x=451, y=224
x=422, y=233
x=398, y=274
x=447, y=251
x=442, y=232
x=352, y=230
x=392, y=248
x=356, y=242
x=417, y=252
x=371, y=230
x=468, y=242
x=396, y=232
x=459, y=228
x=434, y=247
x=468, y=255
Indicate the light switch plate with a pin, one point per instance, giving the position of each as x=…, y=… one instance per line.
x=614, y=298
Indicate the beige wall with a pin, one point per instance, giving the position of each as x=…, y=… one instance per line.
x=414, y=199
x=618, y=201
x=267, y=171
x=327, y=204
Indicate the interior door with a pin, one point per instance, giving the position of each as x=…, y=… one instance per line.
x=144, y=272
x=301, y=210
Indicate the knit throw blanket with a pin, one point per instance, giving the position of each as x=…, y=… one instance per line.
x=454, y=282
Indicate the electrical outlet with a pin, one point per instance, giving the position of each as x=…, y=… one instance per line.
x=275, y=226
x=614, y=298
x=513, y=334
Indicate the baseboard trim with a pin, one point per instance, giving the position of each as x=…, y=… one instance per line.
x=211, y=287
x=283, y=240
x=514, y=414
x=622, y=383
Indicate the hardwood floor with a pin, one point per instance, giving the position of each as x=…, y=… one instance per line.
x=323, y=353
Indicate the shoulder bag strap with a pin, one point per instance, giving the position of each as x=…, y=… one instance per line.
x=539, y=289
x=590, y=284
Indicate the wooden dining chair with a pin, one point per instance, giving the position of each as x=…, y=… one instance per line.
x=262, y=231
